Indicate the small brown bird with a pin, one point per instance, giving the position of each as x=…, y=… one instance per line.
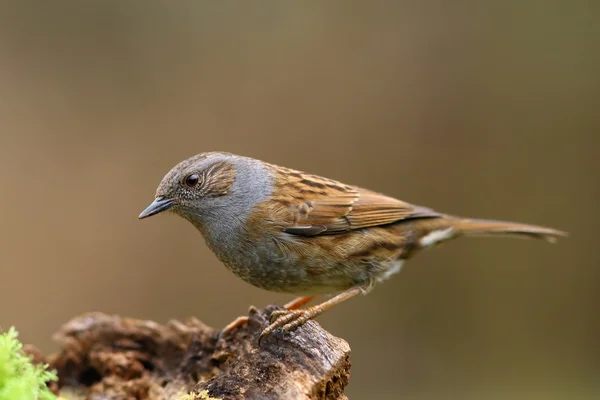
x=289, y=231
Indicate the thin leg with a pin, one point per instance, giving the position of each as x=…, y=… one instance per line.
x=243, y=319
x=236, y=323
x=298, y=302
x=289, y=320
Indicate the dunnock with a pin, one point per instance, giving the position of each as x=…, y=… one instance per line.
x=289, y=231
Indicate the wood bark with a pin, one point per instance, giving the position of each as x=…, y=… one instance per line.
x=112, y=357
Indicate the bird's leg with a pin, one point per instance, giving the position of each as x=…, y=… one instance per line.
x=289, y=320
x=298, y=302
x=236, y=323
x=243, y=319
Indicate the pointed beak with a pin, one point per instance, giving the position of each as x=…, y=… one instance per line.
x=159, y=204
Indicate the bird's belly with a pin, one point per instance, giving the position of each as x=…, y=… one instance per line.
x=300, y=273
x=291, y=276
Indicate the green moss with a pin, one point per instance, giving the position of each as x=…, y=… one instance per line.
x=20, y=379
x=203, y=395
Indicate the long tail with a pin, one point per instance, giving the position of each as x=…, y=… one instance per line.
x=434, y=230
x=482, y=227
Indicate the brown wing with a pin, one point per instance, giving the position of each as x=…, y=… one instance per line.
x=310, y=205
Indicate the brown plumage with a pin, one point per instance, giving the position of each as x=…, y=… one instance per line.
x=290, y=231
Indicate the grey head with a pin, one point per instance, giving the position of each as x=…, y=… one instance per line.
x=214, y=191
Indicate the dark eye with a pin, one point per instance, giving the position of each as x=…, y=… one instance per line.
x=192, y=180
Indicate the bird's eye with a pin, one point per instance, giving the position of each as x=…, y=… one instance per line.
x=192, y=180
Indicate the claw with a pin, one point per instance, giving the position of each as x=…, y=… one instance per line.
x=276, y=314
x=291, y=318
x=288, y=320
x=243, y=320
x=301, y=320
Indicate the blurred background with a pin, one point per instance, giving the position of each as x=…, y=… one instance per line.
x=486, y=109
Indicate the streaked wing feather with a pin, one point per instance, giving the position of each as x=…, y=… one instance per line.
x=330, y=207
x=374, y=209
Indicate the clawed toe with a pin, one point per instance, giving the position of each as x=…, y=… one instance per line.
x=295, y=323
x=236, y=323
x=277, y=314
x=287, y=320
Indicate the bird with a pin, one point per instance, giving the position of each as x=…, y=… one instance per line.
x=289, y=231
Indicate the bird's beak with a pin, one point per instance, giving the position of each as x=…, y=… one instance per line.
x=159, y=204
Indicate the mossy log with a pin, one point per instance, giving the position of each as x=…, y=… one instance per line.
x=111, y=357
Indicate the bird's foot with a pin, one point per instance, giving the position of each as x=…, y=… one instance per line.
x=288, y=320
x=243, y=319
x=240, y=321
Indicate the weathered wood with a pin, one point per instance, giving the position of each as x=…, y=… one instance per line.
x=111, y=357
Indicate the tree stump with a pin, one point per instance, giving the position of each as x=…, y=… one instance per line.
x=111, y=357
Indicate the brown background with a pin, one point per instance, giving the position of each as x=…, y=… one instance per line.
x=487, y=109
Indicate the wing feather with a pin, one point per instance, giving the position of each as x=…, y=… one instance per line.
x=309, y=205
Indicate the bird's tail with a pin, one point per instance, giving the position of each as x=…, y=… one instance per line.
x=484, y=227
x=435, y=230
